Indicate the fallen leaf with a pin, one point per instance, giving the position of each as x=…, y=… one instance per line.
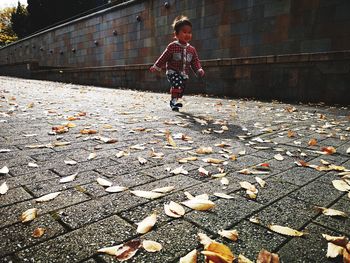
x=47, y=197
x=68, y=178
x=4, y=170
x=248, y=186
x=312, y=142
x=243, y=259
x=204, y=239
x=252, y=171
x=219, y=175
x=291, y=134
x=38, y=232
x=151, y=246
x=3, y=188
x=334, y=251
x=267, y=257
x=170, y=139
x=191, y=257
x=70, y=162
x=329, y=150
x=254, y=220
x=204, y=150
x=223, y=195
x=122, y=153
x=146, y=194
x=91, y=156
x=174, y=209
x=260, y=181
x=337, y=240
x=146, y=224
x=199, y=204
x=88, y=131
x=348, y=150
x=103, y=182
x=187, y=159
x=218, y=253
x=286, y=230
x=123, y=252
x=331, y=212
x=224, y=181
x=138, y=147
x=29, y=215
x=202, y=171
x=212, y=160
x=115, y=189
x=341, y=185
x=278, y=157
x=230, y=234
x=164, y=189
x=141, y=160
x=179, y=170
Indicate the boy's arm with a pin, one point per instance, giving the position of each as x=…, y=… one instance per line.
x=162, y=60
x=196, y=64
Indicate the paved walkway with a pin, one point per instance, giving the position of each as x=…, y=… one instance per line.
x=85, y=217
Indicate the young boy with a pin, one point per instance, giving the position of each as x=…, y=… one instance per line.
x=179, y=57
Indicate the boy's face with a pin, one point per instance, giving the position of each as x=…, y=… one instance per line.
x=185, y=34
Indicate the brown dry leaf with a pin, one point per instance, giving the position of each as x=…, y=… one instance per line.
x=164, y=189
x=254, y=220
x=334, y=251
x=199, y=204
x=243, y=259
x=340, y=241
x=3, y=188
x=151, y=246
x=212, y=160
x=72, y=118
x=191, y=257
x=115, y=189
x=187, y=159
x=204, y=150
x=341, y=185
x=141, y=160
x=38, y=232
x=286, y=231
x=146, y=194
x=223, y=195
x=103, y=182
x=291, y=134
x=122, y=153
x=248, y=186
x=156, y=155
x=47, y=197
x=179, y=170
x=230, y=234
x=312, y=142
x=71, y=125
x=260, y=181
x=123, y=252
x=202, y=171
x=60, y=129
x=331, y=212
x=170, y=139
x=346, y=256
x=329, y=150
x=146, y=224
x=267, y=257
x=174, y=209
x=88, y=131
x=204, y=239
x=29, y=215
x=218, y=253
x=248, y=171
x=222, y=145
x=4, y=170
x=68, y=178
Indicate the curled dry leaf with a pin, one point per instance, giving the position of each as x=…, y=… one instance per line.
x=191, y=257
x=68, y=178
x=267, y=257
x=115, y=189
x=103, y=182
x=331, y=212
x=204, y=150
x=70, y=162
x=230, y=234
x=170, y=139
x=164, y=189
x=146, y=224
x=260, y=181
x=243, y=259
x=312, y=142
x=278, y=157
x=219, y=175
x=122, y=153
x=141, y=160
x=202, y=171
x=88, y=131
x=38, y=232
x=146, y=194
x=3, y=188
x=92, y=156
x=199, y=204
x=174, y=209
x=286, y=231
x=254, y=220
x=151, y=246
x=328, y=150
x=213, y=160
x=29, y=215
x=4, y=170
x=218, y=253
x=224, y=181
x=187, y=159
x=248, y=186
x=348, y=151
x=33, y=165
x=223, y=195
x=334, y=251
x=138, y=147
x=248, y=171
x=341, y=185
x=179, y=170
x=340, y=241
x=204, y=239
x=123, y=252
x=47, y=197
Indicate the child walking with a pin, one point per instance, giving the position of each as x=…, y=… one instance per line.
x=178, y=58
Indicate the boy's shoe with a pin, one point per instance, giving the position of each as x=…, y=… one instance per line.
x=175, y=106
x=178, y=104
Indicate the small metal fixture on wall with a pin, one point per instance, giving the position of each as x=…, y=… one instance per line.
x=96, y=43
x=166, y=4
x=138, y=18
x=73, y=50
x=61, y=52
x=115, y=32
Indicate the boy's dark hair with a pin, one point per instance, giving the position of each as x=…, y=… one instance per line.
x=179, y=22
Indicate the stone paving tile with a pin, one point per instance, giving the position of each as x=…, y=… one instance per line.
x=79, y=244
x=159, y=172
x=15, y=160
x=14, y=195
x=78, y=155
x=225, y=213
x=37, y=176
x=311, y=248
x=298, y=175
x=19, y=236
x=287, y=212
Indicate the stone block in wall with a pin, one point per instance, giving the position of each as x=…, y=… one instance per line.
x=274, y=8
x=316, y=45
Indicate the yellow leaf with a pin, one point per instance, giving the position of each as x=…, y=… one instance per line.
x=331, y=212
x=204, y=239
x=146, y=194
x=47, y=197
x=267, y=257
x=146, y=224
x=212, y=160
x=291, y=134
x=334, y=250
x=243, y=259
x=164, y=189
x=187, y=159
x=70, y=125
x=199, y=204
x=279, y=157
x=218, y=253
x=341, y=185
x=312, y=142
x=87, y=131
x=223, y=195
x=230, y=234
x=170, y=139
x=286, y=231
x=122, y=252
x=191, y=257
x=174, y=209
x=115, y=189
x=248, y=186
x=38, y=232
x=3, y=188
x=151, y=246
x=219, y=175
x=204, y=150
x=29, y=215
x=92, y=156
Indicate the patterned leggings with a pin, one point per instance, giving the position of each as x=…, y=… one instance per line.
x=177, y=82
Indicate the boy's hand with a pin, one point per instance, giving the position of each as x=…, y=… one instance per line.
x=201, y=72
x=152, y=69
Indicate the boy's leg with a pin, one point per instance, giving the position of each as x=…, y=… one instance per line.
x=177, y=89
